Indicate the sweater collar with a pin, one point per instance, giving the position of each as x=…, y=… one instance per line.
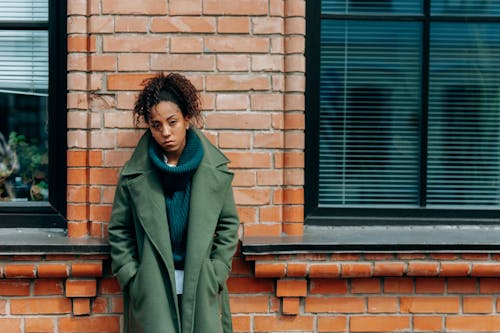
x=188, y=161
x=141, y=163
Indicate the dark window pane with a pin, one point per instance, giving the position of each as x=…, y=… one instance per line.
x=369, y=110
x=23, y=115
x=466, y=7
x=464, y=115
x=371, y=7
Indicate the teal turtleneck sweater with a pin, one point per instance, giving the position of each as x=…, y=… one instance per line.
x=177, y=190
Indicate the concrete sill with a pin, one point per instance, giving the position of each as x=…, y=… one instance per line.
x=360, y=239
x=33, y=241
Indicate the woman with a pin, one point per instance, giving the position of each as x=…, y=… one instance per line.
x=173, y=229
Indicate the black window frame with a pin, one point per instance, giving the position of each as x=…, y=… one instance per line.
x=323, y=216
x=51, y=213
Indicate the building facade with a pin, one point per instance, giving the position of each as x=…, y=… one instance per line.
x=345, y=123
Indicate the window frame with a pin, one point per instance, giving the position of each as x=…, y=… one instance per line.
x=340, y=216
x=52, y=213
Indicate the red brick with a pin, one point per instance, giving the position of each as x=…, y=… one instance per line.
x=335, y=304
x=379, y=323
x=144, y=7
x=448, y=304
x=283, y=323
x=356, y=270
x=398, y=285
x=366, y=286
x=296, y=270
x=286, y=288
x=262, y=229
x=48, y=287
x=52, y=305
x=249, y=285
x=102, y=324
x=489, y=285
x=473, y=323
x=104, y=176
x=454, y=269
x=126, y=81
x=183, y=24
x=244, y=7
x=86, y=269
x=14, y=288
x=19, y=271
x=428, y=323
x=267, y=270
x=109, y=286
x=478, y=304
x=383, y=304
x=332, y=324
x=423, y=269
x=257, y=196
x=233, y=25
x=81, y=288
x=487, y=269
x=462, y=285
x=389, y=268
x=81, y=306
x=240, y=323
x=290, y=305
x=10, y=325
x=185, y=7
x=235, y=121
x=429, y=286
x=237, y=82
x=249, y=304
x=38, y=325
x=328, y=286
x=324, y=270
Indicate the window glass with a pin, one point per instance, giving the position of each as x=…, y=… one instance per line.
x=370, y=102
x=466, y=7
x=371, y=6
x=23, y=104
x=24, y=10
x=464, y=116
x=408, y=119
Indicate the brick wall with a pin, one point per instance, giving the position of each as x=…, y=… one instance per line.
x=247, y=59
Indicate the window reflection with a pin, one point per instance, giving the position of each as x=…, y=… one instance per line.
x=23, y=147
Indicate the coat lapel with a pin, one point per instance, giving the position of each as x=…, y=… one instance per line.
x=149, y=203
x=208, y=189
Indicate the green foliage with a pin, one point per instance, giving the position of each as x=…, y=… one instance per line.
x=33, y=157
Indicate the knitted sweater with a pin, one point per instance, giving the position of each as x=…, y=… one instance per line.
x=177, y=189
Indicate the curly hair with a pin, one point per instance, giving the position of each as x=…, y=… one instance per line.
x=174, y=88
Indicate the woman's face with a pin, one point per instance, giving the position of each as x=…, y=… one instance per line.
x=169, y=126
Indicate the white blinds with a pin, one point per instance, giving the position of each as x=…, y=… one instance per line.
x=24, y=54
x=371, y=6
x=24, y=59
x=370, y=104
x=376, y=149
x=24, y=10
x=464, y=114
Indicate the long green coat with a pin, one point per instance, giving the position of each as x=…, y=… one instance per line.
x=141, y=251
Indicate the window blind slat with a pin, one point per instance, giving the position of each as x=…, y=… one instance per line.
x=24, y=61
x=464, y=115
x=24, y=10
x=368, y=144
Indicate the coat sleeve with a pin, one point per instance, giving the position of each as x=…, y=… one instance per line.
x=122, y=236
x=225, y=238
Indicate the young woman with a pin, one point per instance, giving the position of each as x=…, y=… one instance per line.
x=173, y=229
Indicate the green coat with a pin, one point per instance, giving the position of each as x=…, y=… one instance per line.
x=141, y=251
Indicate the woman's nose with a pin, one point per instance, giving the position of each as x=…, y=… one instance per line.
x=165, y=131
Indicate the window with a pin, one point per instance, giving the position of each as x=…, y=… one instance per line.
x=403, y=118
x=32, y=113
